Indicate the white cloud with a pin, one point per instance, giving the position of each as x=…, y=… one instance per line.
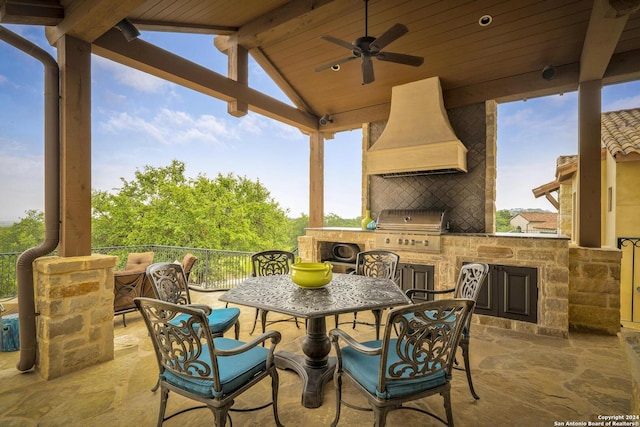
x=171, y=127
x=3, y=79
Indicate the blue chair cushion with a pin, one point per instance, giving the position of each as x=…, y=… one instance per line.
x=364, y=369
x=235, y=371
x=220, y=319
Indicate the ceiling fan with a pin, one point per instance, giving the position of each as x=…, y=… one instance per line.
x=368, y=47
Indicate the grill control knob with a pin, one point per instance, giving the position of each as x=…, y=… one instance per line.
x=399, y=241
x=413, y=242
x=387, y=240
x=406, y=241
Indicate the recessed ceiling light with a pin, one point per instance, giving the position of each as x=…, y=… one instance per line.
x=335, y=67
x=485, y=20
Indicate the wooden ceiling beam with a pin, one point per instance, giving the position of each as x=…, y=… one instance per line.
x=30, y=12
x=182, y=27
x=89, y=19
x=605, y=28
x=151, y=59
x=224, y=44
x=238, y=71
x=291, y=18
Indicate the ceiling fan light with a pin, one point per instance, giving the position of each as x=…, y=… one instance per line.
x=335, y=67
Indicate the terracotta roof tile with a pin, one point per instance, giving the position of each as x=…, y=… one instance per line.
x=621, y=131
x=546, y=219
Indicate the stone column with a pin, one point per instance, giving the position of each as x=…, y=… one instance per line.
x=74, y=299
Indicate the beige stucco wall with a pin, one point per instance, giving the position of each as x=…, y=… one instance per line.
x=519, y=221
x=608, y=207
x=627, y=199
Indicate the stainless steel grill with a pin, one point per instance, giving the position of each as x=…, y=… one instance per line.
x=415, y=230
x=428, y=221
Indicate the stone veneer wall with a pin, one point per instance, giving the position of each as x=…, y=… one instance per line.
x=565, y=216
x=74, y=299
x=549, y=255
x=577, y=287
x=594, y=289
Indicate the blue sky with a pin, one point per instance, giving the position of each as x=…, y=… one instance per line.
x=140, y=120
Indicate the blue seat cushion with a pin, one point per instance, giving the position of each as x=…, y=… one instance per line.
x=235, y=371
x=364, y=369
x=220, y=319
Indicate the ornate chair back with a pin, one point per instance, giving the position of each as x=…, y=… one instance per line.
x=470, y=280
x=198, y=366
x=271, y=262
x=169, y=282
x=426, y=341
x=377, y=263
x=414, y=362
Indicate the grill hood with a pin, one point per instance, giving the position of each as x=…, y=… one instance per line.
x=418, y=138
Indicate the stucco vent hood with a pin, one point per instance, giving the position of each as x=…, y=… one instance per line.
x=418, y=138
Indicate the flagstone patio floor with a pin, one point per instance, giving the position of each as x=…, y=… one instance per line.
x=522, y=380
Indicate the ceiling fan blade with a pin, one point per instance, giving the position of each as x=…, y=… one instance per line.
x=339, y=42
x=401, y=58
x=367, y=70
x=338, y=62
x=389, y=36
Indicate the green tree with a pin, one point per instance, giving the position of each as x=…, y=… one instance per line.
x=333, y=220
x=161, y=206
x=502, y=221
x=24, y=234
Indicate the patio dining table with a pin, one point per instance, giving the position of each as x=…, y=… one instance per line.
x=346, y=293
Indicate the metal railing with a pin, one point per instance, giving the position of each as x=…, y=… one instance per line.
x=214, y=270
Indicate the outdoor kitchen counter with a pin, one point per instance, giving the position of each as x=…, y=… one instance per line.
x=548, y=254
x=317, y=230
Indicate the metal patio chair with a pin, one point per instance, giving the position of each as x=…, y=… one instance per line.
x=267, y=263
x=375, y=263
x=170, y=285
x=468, y=285
x=195, y=364
x=400, y=368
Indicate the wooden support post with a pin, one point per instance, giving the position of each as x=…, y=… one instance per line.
x=238, y=70
x=316, y=180
x=589, y=168
x=74, y=58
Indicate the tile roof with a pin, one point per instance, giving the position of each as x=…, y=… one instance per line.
x=621, y=131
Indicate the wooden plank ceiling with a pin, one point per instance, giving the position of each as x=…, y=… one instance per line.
x=501, y=61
